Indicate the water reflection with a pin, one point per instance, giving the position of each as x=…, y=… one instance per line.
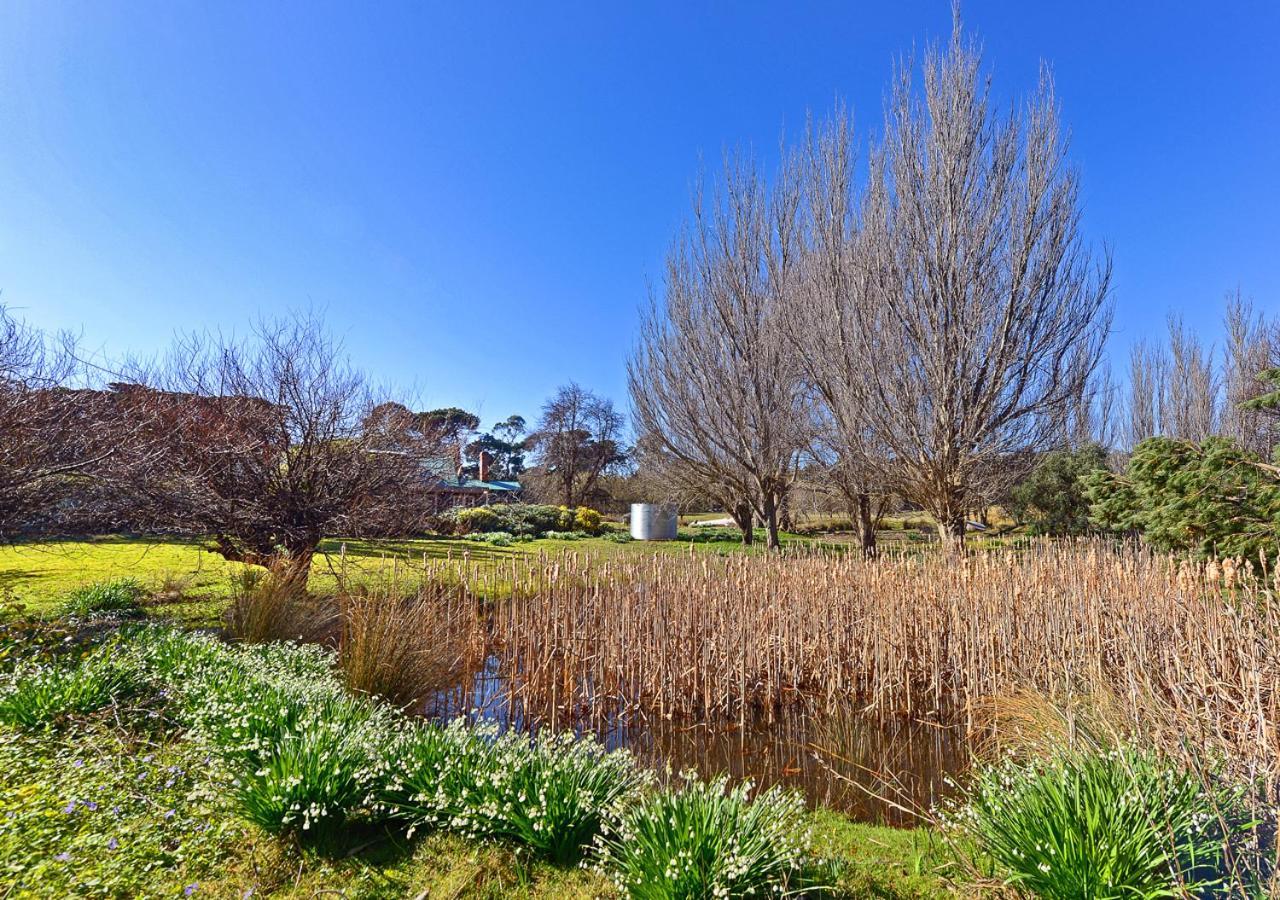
x=871, y=769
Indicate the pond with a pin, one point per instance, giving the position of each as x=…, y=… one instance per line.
x=870, y=768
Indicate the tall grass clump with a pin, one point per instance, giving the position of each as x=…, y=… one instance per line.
x=1101, y=825
x=707, y=840
x=121, y=596
x=37, y=696
x=400, y=648
x=274, y=605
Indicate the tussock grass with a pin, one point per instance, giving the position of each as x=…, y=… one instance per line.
x=403, y=647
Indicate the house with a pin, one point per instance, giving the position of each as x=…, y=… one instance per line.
x=452, y=484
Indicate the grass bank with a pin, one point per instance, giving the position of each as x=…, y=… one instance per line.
x=159, y=763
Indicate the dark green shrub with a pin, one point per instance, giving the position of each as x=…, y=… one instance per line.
x=476, y=519
x=1054, y=497
x=1213, y=498
x=122, y=596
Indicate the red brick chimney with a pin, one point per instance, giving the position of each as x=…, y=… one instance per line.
x=482, y=468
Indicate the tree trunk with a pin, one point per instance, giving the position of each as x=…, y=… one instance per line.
x=866, y=526
x=771, y=521
x=744, y=519
x=951, y=532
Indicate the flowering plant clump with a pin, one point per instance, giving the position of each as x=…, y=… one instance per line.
x=1100, y=824
x=122, y=597
x=37, y=694
x=707, y=840
x=553, y=795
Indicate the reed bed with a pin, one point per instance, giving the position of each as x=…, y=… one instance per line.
x=1187, y=651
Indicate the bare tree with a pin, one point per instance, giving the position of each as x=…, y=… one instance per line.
x=1252, y=347
x=988, y=312
x=578, y=439
x=1189, y=406
x=266, y=447
x=54, y=438
x=823, y=324
x=713, y=380
x=1148, y=368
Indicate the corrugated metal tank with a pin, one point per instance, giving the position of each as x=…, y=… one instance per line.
x=653, y=522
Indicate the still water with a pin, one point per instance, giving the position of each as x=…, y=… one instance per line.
x=873, y=769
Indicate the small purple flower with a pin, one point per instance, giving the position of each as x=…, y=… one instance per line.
x=93, y=807
x=147, y=758
x=190, y=889
x=112, y=844
x=79, y=764
x=69, y=808
x=64, y=856
x=169, y=814
x=115, y=811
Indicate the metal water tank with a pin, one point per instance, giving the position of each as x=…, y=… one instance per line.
x=653, y=521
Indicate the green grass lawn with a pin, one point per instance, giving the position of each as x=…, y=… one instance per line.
x=192, y=584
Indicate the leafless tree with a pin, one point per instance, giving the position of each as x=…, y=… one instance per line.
x=263, y=446
x=1148, y=367
x=1252, y=346
x=1189, y=406
x=823, y=325
x=987, y=312
x=55, y=438
x=579, y=438
x=713, y=380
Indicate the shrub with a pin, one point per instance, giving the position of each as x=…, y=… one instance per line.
x=122, y=596
x=476, y=519
x=497, y=538
x=564, y=519
x=707, y=840
x=37, y=696
x=588, y=520
x=1052, y=497
x=618, y=536
x=1116, y=823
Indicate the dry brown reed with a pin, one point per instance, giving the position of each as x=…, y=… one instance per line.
x=1187, y=651
x=404, y=646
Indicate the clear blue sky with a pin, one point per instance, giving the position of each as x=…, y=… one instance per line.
x=481, y=194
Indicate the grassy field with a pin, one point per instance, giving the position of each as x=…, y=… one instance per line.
x=191, y=583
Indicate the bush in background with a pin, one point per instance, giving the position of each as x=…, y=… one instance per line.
x=1054, y=498
x=525, y=520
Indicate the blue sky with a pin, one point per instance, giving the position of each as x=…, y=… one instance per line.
x=480, y=195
